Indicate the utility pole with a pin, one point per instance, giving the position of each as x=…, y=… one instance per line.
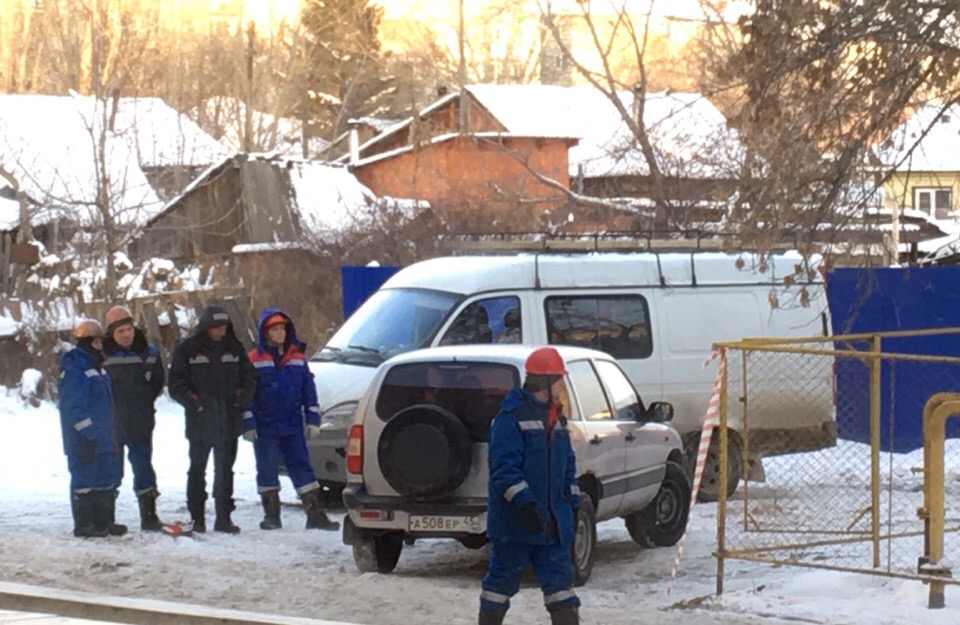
x=248, y=103
x=462, y=79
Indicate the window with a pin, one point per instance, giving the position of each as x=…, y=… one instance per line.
x=935, y=201
x=491, y=320
x=390, y=322
x=593, y=400
x=617, y=324
x=626, y=403
x=471, y=390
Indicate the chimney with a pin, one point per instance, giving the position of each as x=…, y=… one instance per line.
x=442, y=90
x=354, y=140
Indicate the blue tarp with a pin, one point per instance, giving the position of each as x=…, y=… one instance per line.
x=883, y=300
x=359, y=283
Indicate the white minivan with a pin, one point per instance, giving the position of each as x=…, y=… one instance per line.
x=658, y=314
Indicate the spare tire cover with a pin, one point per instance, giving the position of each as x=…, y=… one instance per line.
x=425, y=451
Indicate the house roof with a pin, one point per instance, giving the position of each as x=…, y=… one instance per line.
x=689, y=134
x=927, y=142
x=50, y=145
x=325, y=198
x=450, y=136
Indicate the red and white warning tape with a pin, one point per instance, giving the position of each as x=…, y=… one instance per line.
x=711, y=421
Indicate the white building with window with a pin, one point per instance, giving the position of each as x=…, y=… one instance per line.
x=923, y=156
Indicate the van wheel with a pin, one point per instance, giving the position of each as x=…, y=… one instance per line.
x=377, y=554
x=584, y=548
x=710, y=481
x=670, y=509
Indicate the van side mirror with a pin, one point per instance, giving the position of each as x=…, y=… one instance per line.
x=660, y=412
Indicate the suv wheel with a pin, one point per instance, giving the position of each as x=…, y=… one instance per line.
x=663, y=522
x=584, y=548
x=377, y=553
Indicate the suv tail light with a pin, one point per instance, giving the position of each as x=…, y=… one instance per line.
x=355, y=450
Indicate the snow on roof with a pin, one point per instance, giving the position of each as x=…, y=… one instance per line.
x=50, y=145
x=689, y=134
x=162, y=137
x=934, y=130
x=328, y=198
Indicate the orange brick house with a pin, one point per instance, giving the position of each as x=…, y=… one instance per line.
x=545, y=147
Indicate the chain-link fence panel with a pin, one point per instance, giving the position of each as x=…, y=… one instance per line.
x=831, y=436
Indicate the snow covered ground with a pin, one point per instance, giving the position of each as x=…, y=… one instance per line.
x=311, y=574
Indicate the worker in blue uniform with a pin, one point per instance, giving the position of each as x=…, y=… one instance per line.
x=533, y=495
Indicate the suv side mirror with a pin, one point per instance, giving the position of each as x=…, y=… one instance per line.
x=660, y=411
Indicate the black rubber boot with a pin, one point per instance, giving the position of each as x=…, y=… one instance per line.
x=491, y=618
x=83, y=506
x=149, y=521
x=271, y=510
x=223, y=523
x=565, y=615
x=198, y=514
x=317, y=519
x=108, y=508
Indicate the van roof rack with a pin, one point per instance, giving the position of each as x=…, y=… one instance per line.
x=609, y=241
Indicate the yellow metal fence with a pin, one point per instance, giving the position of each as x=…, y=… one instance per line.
x=856, y=475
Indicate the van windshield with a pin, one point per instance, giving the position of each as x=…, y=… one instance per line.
x=390, y=322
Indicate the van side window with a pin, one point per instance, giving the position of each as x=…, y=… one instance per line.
x=589, y=391
x=616, y=324
x=491, y=320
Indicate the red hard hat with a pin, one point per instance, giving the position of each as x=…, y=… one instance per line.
x=545, y=361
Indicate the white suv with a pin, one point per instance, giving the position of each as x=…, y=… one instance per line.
x=417, y=453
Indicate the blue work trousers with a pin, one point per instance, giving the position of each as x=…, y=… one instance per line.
x=101, y=474
x=508, y=562
x=293, y=449
x=140, y=456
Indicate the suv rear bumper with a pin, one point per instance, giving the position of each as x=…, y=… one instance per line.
x=395, y=512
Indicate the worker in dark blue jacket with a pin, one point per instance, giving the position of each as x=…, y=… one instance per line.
x=86, y=421
x=533, y=495
x=284, y=402
x=137, y=374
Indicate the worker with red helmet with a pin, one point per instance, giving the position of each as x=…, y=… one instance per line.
x=283, y=407
x=89, y=438
x=533, y=495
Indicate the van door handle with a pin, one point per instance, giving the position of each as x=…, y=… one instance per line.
x=630, y=437
x=596, y=440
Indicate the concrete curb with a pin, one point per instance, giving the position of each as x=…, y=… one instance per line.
x=96, y=607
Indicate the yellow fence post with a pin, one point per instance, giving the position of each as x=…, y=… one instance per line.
x=935, y=414
x=722, y=482
x=875, y=383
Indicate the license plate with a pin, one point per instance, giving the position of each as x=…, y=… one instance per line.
x=442, y=523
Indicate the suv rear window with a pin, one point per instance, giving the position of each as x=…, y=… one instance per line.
x=470, y=390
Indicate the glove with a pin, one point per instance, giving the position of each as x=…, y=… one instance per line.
x=250, y=435
x=88, y=450
x=313, y=431
x=196, y=402
x=530, y=520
